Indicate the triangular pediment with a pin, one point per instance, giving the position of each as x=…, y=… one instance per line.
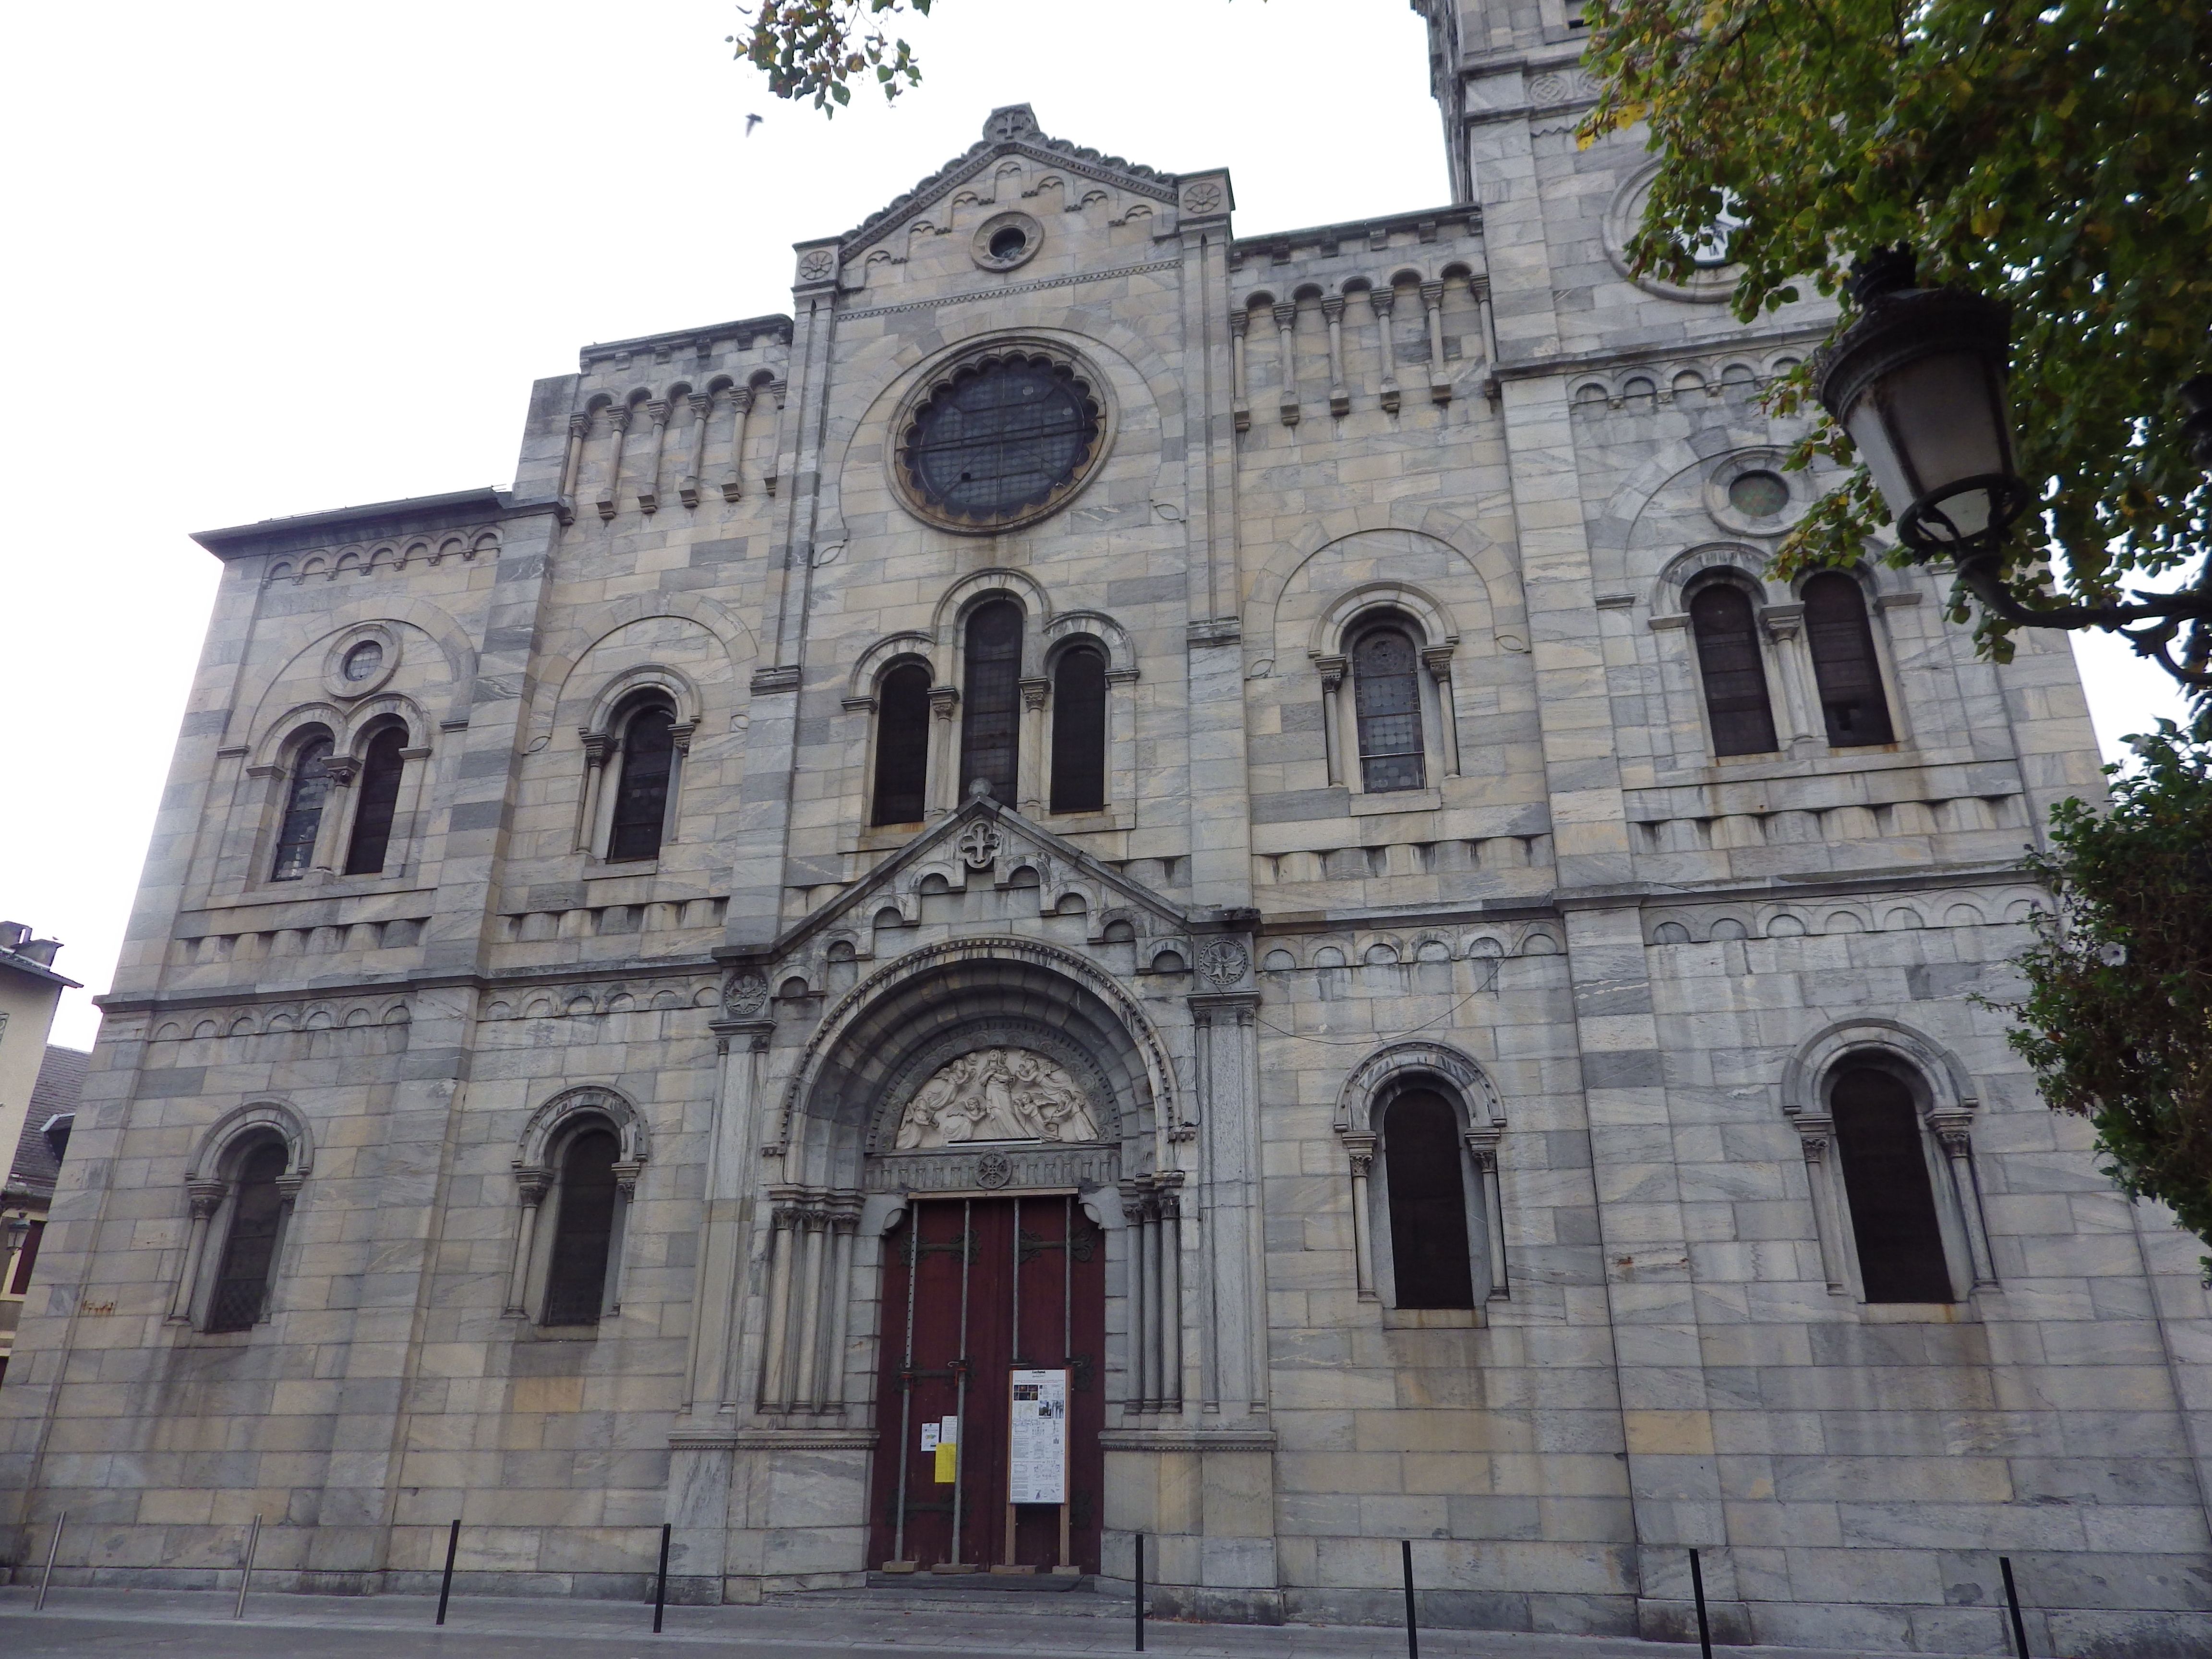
x=994, y=847
x=1011, y=132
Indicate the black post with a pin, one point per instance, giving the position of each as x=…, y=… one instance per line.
x=1412, y=1630
x=660, y=1584
x=1140, y=1592
x=446, y=1589
x=2011, y=1600
x=1698, y=1591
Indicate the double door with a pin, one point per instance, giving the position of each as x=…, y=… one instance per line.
x=977, y=1290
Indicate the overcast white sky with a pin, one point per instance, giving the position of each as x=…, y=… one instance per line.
x=275, y=257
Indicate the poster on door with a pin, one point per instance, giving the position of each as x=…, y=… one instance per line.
x=1036, y=1446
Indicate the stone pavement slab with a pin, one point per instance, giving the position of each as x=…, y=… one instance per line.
x=187, y=1625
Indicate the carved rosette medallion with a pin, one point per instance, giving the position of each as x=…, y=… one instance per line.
x=747, y=994
x=1203, y=197
x=979, y=846
x=818, y=266
x=1223, y=962
x=994, y=1170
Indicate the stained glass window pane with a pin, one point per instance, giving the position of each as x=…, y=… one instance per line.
x=303, y=810
x=1001, y=438
x=242, y=1285
x=380, y=769
x=990, y=704
x=1387, y=692
x=648, y=753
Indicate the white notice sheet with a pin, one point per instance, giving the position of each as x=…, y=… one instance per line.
x=1037, y=1449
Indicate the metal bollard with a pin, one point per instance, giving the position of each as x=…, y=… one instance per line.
x=1412, y=1629
x=660, y=1584
x=245, y=1572
x=52, y=1550
x=2011, y=1600
x=452, y=1546
x=1698, y=1591
x=1140, y=1592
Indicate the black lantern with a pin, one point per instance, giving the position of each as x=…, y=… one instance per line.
x=1919, y=383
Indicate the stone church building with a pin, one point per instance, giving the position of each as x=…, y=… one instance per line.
x=1127, y=878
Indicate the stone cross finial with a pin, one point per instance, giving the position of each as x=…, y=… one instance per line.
x=1010, y=121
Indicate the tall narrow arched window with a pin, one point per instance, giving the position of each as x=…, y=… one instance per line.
x=1878, y=1143
x=249, y=1250
x=901, y=745
x=990, y=703
x=303, y=808
x=583, y=1229
x=649, y=760
x=1734, y=670
x=1843, y=662
x=1429, y=1263
x=1079, y=730
x=1386, y=689
x=379, y=800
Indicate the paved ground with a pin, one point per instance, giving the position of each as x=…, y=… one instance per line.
x=977, y=1625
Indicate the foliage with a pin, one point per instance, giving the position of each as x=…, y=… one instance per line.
x=2053, y=153
x=2117, y=1018
x=813, y=49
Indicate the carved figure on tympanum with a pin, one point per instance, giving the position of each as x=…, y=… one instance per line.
x=996, y=1094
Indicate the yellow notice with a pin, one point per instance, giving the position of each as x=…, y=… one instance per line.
x=947, y=1451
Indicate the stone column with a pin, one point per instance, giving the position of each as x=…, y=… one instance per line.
x=783, y=1245
x=1140, y=1294
x=597, y=746
x=649, y=499
x=1436, y=658
x=941, y=788
x=1814, y=1134
x=742, y=1043
x=1379, y=300
x=1169, y=1200
x=1332, y=670
x=1957, y=1143
x=1784, y=626
x=781, y=390
x=1432, y=302
x=205, y=1198
x=702, y=409
x=611, y=485
x=1240, y=323
x=572, y=461
x=1360, y=1149
x=1286, y=317
x=1332, y=310
x=844, y=1215
x=1482, y=1146
x=741, y=409
x=1033, y=788
x=1231, y=1247
x=531, y=1185
x=336, y=815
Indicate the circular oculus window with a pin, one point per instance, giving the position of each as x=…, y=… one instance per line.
x=1759, y=495
x=1006, y=240
x=1000, y=440
x=362, y=661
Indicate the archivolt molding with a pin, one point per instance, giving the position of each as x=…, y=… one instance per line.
x=962, y=594
x=279, y=1116
x=1120, y=656
x=1159, y=1072
x=723, y=625
x=1371, y=1079
x=683, y=691
x=1326, y=636
x=1489, y=562
x=912, y=642
x=417, y=616
x=590, y=1100
x=1670, y=590
x=1951, y=1090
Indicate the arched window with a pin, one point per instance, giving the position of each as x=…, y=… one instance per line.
x=583, y=1229
x=1892, y=1202
x=1079, y=730
x=649, y=760
x=1734, y=672
x=1427, y=1190
x=379, y=799
x=1843, y=662
x=990, y=705
x=1386, y=689
x=901, y=745
x=249, y=1250
x=303, y=808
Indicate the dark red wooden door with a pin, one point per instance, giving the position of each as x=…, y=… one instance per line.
x=994, y=1286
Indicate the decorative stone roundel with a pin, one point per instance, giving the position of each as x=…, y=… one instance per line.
x=999, y=438
x=1006, y=240
x=996, y=1094
x=993, y=1170
x=979, y=846
x=747, y=994
x=1223, y=962
x=1204, y=197
x=817, y=266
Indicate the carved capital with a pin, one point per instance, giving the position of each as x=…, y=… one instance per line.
x=1332, y=308
x=1438, y=660
x=598, y=745
x=1331, y=670
x=579, y=424
x=531, y=1182
x=943, y=700
x=657, y=411
x=1360, y=1149
x=627, y=1171
x=1432, y=293
x=1286, y=314
x=1239, y=323
x=1379, y=300
x=206, y=1197
x=680, y=734
x=617, y=417
x=341, y=770
x=1782, y=622
x=701, y=402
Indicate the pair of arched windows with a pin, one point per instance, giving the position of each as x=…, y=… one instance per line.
x=991, y=722
x=307, y=800
x=1733, y=666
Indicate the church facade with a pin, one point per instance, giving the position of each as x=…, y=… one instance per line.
x=1124, y=879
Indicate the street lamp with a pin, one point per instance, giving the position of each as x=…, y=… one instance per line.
x=1919, y=383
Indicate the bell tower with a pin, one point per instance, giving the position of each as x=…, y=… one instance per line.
x=1480, y=54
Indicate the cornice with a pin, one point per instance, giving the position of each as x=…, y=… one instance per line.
x=1530, y=368
x=407, y=516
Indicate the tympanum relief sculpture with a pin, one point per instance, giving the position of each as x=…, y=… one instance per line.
x=996, y=1094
